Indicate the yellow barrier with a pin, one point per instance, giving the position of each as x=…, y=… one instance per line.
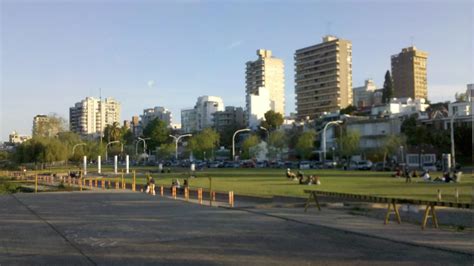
x=200, y=195
x=231, y=198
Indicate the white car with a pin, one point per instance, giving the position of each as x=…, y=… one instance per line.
x=304, y=165
x=364, y=165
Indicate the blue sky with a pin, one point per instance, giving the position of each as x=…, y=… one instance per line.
x=55, y=53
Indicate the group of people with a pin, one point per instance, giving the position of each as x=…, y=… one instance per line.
x=310, y=180
x=425, y=176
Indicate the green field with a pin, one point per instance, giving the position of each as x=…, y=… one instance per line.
x=269, y=182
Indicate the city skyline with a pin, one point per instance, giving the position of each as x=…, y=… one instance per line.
x=54, y=54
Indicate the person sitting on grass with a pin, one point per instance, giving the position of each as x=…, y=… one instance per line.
x=290, y=174
x=316, y=180
x=426, y=176
x=414, y=173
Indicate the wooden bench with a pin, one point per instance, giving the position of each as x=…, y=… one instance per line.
x=430, y=211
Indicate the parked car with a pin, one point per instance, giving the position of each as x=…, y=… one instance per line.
x=304, y=165
x=330, y=164
x=247, y=164
x=364, y=165
x=215, y=164
x=379, y=166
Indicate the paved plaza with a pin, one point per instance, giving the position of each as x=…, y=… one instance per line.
x=123, y=228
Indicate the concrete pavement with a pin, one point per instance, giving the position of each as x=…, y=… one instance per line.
x=102, y=228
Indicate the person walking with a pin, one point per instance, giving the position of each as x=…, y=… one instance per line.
x=152, y=186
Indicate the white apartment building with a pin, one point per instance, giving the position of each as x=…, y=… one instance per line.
x=463, y=105
x=91, y=115
x=159, y=112
x=364, y=96
x=201, y=116
x=400, y=107
x=373, y=131
x=267, y=71
x=14, y=138
x=188, y=120
x=259, y=104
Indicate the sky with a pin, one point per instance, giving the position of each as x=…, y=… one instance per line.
x=168, y=53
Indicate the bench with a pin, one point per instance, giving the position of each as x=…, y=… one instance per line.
x=430, y=211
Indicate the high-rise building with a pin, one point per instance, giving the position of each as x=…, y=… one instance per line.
x=90, y=116
x=47, y=126
x=323, y=77
x=267, y=71
x=363, y=96
x=409, y=74
x=158, y=112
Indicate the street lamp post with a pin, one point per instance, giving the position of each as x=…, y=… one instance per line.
x=106, y=148
x=233, y=140
x=176, y=140
x=333, y=159
x=144, y=144
x=75, y=146
x=401, y=155
x=453, y=155
x=323, y=143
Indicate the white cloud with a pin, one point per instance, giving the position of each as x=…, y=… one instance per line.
x=151, y=84
x=234, y=44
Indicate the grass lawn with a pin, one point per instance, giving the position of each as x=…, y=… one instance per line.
x=269, y=182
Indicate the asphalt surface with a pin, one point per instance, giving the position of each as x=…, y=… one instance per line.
x=123, y=228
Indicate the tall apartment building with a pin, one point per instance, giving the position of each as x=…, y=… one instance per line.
x=409, y=74
x=47, y=126
x=267, y=71
x=90, y=116
x=159, y=112
x=323, y=77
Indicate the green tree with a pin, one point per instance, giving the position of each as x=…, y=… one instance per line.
x=277, y=142
x=166, y=151
x=203, y=143
x=391, y=144
x=387, y=92
x=249, y=145
x=305, y=145
x=272, y=121
x=113, y=132
x=226, y=135
x=349, y=110
x=126, y=136
x=158, y=132
x=349, y=143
